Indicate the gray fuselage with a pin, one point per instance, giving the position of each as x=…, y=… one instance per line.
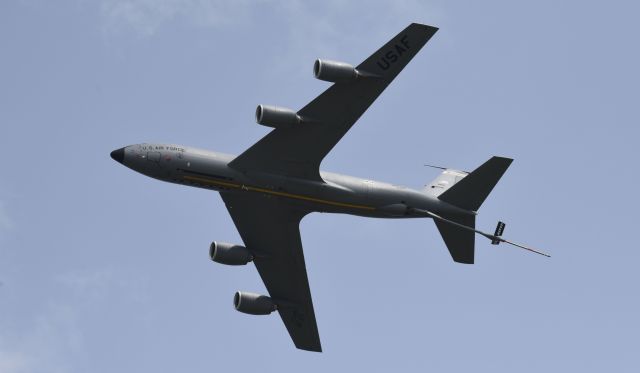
x=336, y=193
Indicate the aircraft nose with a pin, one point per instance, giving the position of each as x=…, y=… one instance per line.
x=118, y=155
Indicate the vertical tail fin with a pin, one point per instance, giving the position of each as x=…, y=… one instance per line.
x=448, y=178
x=469, y=192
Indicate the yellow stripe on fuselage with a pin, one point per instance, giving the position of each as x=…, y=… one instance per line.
x=275, y=193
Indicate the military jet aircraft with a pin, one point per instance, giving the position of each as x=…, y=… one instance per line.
x=270, y=187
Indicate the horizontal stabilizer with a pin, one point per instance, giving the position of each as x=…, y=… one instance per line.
x=470, y=192
x=459, y=241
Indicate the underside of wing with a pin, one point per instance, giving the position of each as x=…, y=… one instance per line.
x=269, y=228
x=297, y=150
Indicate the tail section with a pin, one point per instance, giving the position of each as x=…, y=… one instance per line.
x=469, y=192
x=459, y=241
x=444, y=181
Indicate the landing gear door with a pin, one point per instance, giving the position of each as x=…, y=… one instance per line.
x=153, y=157
x=367, y=189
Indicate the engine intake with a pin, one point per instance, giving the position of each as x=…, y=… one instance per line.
x=230, y=254
x=253, y=304
x=333, y=71
x=276, y=117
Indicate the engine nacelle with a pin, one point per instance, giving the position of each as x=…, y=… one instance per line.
x=276, y=117
x=253, y=304
x=230, y=254
x=333, y=71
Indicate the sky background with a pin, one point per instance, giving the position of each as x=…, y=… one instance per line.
x=105, y=270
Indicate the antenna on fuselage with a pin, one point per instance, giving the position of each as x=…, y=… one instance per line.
x=444, y=168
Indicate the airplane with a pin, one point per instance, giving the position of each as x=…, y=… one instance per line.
x=270, y=187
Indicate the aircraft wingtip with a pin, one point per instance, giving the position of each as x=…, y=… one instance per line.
x=427, y=27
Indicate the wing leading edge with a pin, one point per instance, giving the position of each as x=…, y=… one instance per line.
x=269, y=228
x=298, y=151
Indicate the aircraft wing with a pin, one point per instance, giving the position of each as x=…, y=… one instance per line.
x=269, y=228
x=298, y=151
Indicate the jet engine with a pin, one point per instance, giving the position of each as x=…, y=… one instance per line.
x=229, y=254
x=335, y=72
x=276, y=117
x=253, y=304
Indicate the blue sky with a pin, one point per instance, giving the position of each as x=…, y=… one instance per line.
x=103, y=269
